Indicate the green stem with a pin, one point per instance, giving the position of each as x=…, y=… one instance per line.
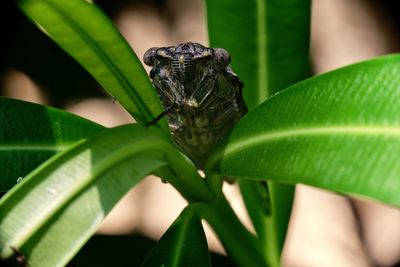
x=183, y=175
x=258, y=207
x=238, y=242
x=215, y=183
x=281, y=197
x=270, y=226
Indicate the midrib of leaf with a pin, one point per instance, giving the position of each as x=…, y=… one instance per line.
x=262, y=73
x=33, y=147
x=121, y=78
x=271, y=136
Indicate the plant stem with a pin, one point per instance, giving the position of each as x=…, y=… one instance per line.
x=183, y=175
x=281, y=197
x=238, y=242
x=270, y=216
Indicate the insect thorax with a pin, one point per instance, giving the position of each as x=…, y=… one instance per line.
x=202, y=91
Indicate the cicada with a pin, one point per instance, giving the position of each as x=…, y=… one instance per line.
x=200, y=93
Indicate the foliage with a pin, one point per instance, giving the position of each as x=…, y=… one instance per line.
x=337, y=131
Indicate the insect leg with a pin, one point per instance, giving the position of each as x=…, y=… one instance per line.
x=160, y=116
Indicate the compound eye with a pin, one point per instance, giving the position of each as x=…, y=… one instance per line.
x=148, y=57
x=222, y=56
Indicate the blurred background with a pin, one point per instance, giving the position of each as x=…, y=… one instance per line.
x=325, y=229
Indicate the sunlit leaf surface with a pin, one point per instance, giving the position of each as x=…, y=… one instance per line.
x=31, y=133
x=57, y=207
x=339, y=131
x=86, y=34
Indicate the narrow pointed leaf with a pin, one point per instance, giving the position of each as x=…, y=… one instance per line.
x=338, y=131
x=86, y=34
x=184, y=244
x=32, y=133
x=274, y=56
x=54, y=211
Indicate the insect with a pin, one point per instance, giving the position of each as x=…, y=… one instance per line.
x=201, y=95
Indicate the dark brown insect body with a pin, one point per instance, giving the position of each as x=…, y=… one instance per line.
x=200, y=92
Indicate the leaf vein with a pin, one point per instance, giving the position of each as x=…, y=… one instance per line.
x=332, y=130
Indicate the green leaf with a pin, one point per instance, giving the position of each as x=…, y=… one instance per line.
x=53, y=212
x=274, y=54
x=86, y=34
x=31, y=133
x=338, y=131
x=184, y=244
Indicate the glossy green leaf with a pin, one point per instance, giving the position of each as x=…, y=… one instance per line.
x=267, y=39
x=53, y=212
x=86, y=34
x=31, y=133
x=338, y=131
x=274, y=55
x=184, y=244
